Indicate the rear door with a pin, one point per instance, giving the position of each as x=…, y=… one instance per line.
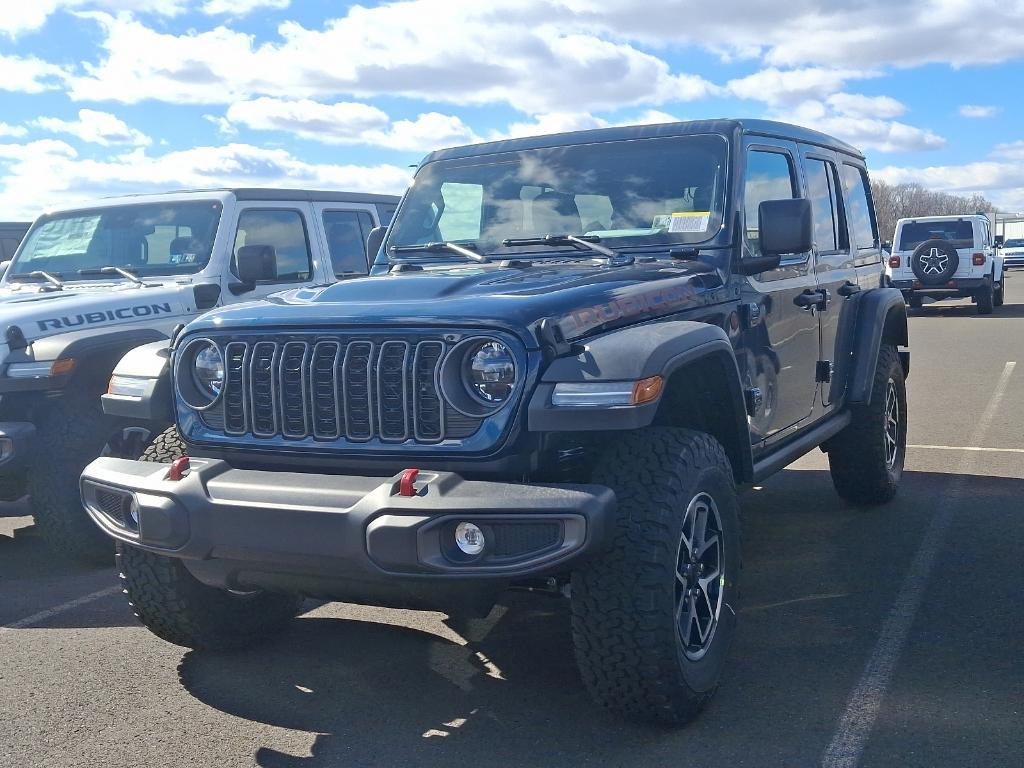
x=343, y=228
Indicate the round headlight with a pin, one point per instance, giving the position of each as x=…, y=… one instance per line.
x=208, y=369
x=491, y=371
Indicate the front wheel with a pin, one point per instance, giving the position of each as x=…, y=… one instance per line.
x=180, y=609
x=866, y=458
x=653, y=617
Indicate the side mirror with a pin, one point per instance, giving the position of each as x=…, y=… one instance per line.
x=785, y=227
x=999, y=240
x=374, y=240
x=256, y=263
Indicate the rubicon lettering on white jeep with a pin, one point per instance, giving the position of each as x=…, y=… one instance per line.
x=110, y=315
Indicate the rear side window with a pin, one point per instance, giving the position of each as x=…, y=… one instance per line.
x=286, y=232
x=769, y=177
x=859, y=212
x=959, y=232
x=346, y=240
x=823, y=212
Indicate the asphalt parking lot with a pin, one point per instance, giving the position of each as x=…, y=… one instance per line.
x=880, y=637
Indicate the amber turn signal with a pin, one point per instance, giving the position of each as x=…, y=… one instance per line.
x=646, y=390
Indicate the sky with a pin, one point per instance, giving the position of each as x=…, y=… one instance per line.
x=104, y=97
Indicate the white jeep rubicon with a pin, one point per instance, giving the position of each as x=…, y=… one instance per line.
x=92, y=282
x=944, y=257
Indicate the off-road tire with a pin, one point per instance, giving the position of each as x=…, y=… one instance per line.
x=857, y=456
x=999, y=294
x=628, y=649
x=69, y=434
x=915, y=302
x=180, y=609
x=985, y=298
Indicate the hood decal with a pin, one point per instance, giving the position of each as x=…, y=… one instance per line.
x=105, y=316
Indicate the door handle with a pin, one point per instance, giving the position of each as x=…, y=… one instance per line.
x=809, y=298
x=848, y=289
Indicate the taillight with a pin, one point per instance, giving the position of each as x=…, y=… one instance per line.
x=978, y=259
x=894, y=262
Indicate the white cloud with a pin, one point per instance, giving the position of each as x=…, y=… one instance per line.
x=349, y=123
x=240, y=7
x=859, y=128
x=47, y=173
x=873, y=107
x=15, y=131
x=29, y=15
x=29, y=74
x=454, y=51
x=779, y=87
x=96, y=128
x=978, y=111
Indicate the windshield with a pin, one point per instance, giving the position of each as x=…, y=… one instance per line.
x=1016, y=243
x=643, y=192
x=959, y=232
x=145, y=239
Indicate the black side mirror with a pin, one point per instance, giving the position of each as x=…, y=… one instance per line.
x=785, y=227
x=256, y=263
x=374, y=240
x=999, y=240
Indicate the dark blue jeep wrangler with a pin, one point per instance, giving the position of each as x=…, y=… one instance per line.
x=575, y=350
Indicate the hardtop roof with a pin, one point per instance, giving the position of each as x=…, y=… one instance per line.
x=725, y=127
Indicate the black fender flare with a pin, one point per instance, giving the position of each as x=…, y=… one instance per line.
x=881, y=314
x=150, y=363
x=635, y=353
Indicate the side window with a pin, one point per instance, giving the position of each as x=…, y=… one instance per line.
x=823, y=214
x=346, y=240
x=386, y=213
x=463, y=206
x=286, y=232
x=769, y=177
x=8, y=246
x=859, y=211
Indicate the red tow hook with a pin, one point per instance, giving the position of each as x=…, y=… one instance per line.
x=178, y=468
x=406, y=485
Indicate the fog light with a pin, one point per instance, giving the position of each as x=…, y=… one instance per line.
x=469, y=538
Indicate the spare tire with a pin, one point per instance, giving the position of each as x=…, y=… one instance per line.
x=935, y=262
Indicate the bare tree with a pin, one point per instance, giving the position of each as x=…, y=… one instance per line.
x=903, y=201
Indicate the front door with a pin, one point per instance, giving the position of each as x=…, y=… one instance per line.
x=779, y=348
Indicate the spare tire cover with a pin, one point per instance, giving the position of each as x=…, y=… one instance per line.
x=934, y=261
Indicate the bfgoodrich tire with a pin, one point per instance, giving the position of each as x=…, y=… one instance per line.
x=69, y=435
x=177, y=607
x=653, y=617
x=866, y=458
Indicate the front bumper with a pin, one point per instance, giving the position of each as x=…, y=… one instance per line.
x=15, y=442
x=346, y=537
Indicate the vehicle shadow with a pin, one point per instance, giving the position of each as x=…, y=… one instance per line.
x=1004, y=312
x=505, y=691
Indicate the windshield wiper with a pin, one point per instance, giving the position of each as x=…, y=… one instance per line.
x=587, y=242
x=128, y=275
x=462, y=250
x=38, y=274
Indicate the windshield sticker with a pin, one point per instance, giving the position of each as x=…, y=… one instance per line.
x=690, y=221
x=62, y=237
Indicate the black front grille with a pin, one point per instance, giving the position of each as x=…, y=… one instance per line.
x=337, y=388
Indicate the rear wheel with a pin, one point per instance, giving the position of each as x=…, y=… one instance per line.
x=653, y=617
x=985, y=298
x=177, y=607
x=866, y=458
x=998, y=294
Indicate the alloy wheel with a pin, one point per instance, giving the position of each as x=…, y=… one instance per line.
x=699, y=576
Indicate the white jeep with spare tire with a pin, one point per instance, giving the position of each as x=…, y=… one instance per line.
x=948, y=257
x=92, y=282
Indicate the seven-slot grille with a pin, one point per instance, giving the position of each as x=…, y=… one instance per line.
x=335, y=388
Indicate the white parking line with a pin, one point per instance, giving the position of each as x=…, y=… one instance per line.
x=35, y=618
x=850, y=738
x=966, y=448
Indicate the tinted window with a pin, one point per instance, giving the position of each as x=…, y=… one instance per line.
x=823, y=215
x=858, y=207
x=149, y=239
x=385, y=213
x=1014, y=244
x=958, y=231
x=346, y=240
x=285, y=231
x=769, y=177
x=643, y=192
x=8, y=246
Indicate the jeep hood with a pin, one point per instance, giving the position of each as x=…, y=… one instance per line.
x=41, y=314
x=581, y=298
